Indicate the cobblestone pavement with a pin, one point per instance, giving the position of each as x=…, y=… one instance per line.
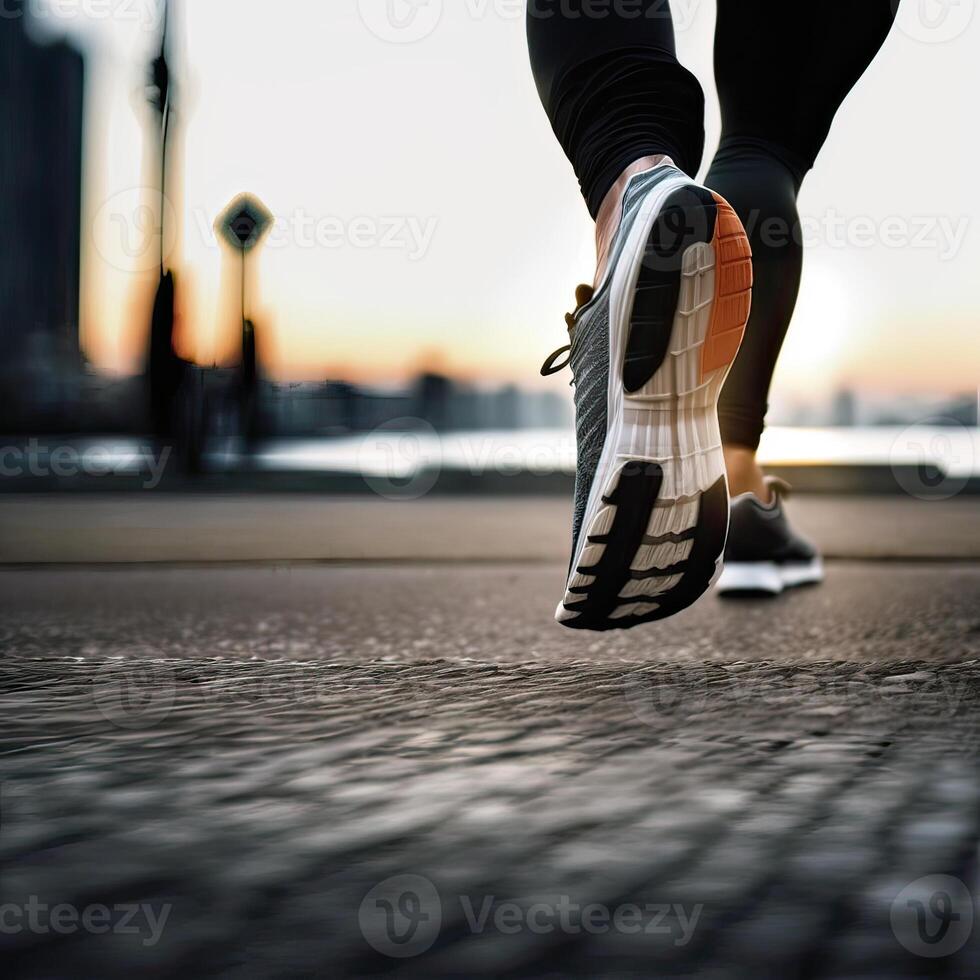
x=244, y=765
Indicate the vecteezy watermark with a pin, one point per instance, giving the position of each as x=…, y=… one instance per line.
x=681, y=13
x=669, y=693
x=64, y=462
x=410, y=234
x=542, y=918
x=410, y=21
x=130, y=233
x=402, y=916
x=40, y=919
x=145, y=14
x=940, y=233
x=401, y=21
x=308, y=685
x=404, y=458
x=401, y=459
x=933, y=916
x=134, y=695
x=652, y=695
x=933, y=21
x=933, y=459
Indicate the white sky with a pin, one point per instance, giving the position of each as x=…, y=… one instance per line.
x=300, y=102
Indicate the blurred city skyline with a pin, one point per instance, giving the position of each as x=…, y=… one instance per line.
x=404, y=243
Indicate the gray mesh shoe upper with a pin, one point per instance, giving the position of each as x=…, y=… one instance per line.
x=589, y=358
x=760, y=533
x=590, y=354
x=590, y=368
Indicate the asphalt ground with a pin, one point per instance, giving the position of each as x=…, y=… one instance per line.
x=154, y=528
x=323, y=766
x=254, y=752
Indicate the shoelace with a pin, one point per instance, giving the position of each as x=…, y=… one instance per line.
x=780, y=488
x=583, y=296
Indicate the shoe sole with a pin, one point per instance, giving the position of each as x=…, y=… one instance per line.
x=768, y=577
x=657, y=517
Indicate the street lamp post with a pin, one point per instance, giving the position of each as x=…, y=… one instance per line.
x=243, y=224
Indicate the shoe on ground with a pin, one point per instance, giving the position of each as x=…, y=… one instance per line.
x=764, y=555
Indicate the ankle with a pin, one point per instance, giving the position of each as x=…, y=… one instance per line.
x=745, y=475
x=611, y=210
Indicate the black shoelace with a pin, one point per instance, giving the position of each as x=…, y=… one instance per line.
x=583, y=296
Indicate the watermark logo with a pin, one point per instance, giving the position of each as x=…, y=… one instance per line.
x=407, y=21
x=145, y=14
x=126, y=230
x=933, y=916
x=679, y=230
x=37, y=918
x=401, y=21
x=933, y=21
x=402, y=459
x=932, y=459
x=135, y=695
x=36, y=459
x=411, y=234
x=402, y=916
x=653, y=696
x=561, y=914
x=943, y=234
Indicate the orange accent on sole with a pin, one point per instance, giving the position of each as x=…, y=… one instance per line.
x=733, y=291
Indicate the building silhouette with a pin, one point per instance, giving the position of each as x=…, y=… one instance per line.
x=844, y=411
x=433, y=398
x=40, y=186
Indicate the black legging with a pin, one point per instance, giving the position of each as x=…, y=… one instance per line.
x=609, y=78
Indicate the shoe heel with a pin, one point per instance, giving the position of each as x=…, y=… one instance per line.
x=733, y=291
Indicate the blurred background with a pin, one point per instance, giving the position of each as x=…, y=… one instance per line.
x=269, y=271
x=412, y=237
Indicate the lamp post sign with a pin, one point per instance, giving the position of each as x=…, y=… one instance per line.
x=243, y=224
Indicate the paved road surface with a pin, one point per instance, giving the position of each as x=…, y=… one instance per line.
x=254, y=758
x=149, y=527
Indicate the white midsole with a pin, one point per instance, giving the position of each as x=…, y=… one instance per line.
x=769, y=576
x=694, y=462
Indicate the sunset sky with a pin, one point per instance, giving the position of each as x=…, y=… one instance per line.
x=428, y=217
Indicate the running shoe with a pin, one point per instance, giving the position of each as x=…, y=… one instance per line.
x=650, y=350
x=764, y=555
